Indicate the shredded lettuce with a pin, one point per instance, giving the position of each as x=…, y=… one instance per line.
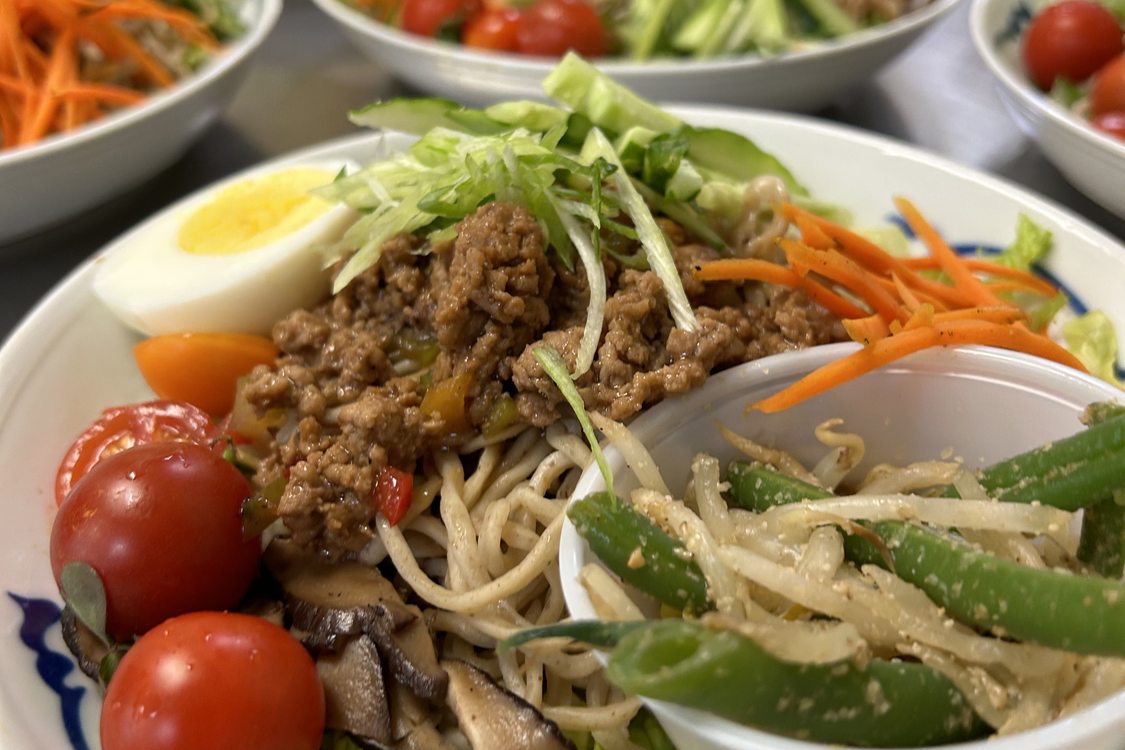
x=655, y=245
x=1031, y=245
x=1092, y=338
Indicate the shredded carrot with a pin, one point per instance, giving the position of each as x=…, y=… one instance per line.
x=900, y=311
x=752, y=269
x=42, y=47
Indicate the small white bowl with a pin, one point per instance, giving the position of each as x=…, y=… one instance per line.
x=1094, y=162
x=64, y=174
x=915, y=409
x=801, y=79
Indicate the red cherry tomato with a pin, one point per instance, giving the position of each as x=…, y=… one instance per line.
x=1071, y=39
x=214, y=680
x=1112, y=123
x=433, y=17
x=123, y=427
x=162, y=525
x=393, y=493
x=552, y=27
x=1108, y=92
x=494, y=29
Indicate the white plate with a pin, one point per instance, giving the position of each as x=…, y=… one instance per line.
x=800, y=79
x=71, y=358
x=1092, y=161
x=61, y=175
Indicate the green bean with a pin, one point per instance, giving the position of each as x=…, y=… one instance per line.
x=1070, y=473
x=1085, y=614
x=759, y=488
x=882, y=704
x=1102, y=544
x=1051, y=608
x=639, y=552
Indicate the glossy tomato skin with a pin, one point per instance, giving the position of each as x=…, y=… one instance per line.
x=550, y=28
x=162, y=525
x=431, y=17
x=1071, y=39
x=1112, y=123
x=122, y=427
x=1108, y=92
x=495, y=29
x=214, y=680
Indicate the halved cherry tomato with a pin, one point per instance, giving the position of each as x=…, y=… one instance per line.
x=201, y=368
x=495, y=29
x=161, y=524
x=437, y=17
x=1112, y=123
x=1108, y=92
x=550, y=28
x=214, y=680
x=394, y=490
x=1071, y=39
x=123, y=427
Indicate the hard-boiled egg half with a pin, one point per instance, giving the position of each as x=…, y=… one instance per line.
x=234, y=257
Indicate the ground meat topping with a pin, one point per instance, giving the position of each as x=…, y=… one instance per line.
x=471, y=311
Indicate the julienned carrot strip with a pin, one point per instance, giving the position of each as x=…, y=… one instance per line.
x=1001, y=315
x=753, y=269
x=811, y=233
x=848, y=368
x=61, y=62
x=190, y=26
x=1016, y=337
x=905, y=293
x=874, y=258
x=866, y=330
x=949, y=261
x=834, y=266
x=1029, y=281
x=100, y=92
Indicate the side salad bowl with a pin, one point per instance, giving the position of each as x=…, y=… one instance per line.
x=933, y=404
x=801, y=79
x=1091, y=160
x=65, y=174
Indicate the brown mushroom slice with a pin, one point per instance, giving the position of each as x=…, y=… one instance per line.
x=407, y=709
x=411, y=657
x=327, y=599
x=355, y=695
x=493, y=718
x=87, y=648
x=424, y=737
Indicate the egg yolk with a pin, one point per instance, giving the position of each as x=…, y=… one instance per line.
x=255, y=212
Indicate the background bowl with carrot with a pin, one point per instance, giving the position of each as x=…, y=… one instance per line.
x=95, y=97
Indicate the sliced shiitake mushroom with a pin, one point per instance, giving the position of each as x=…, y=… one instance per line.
x=494, y=718
x=355, y=694
x=411, y=657
x=87, y=648
x=327, y=600
x=424, y=737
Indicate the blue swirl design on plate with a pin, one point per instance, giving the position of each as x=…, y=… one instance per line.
x=39, y=616
x=1073, y=300
x=1019, y=17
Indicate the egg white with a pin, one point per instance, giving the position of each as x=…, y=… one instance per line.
x=156, y=287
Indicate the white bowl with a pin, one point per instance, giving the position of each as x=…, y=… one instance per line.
x=1092, y=161
x=799, y=80
x=913, y=410
x=53, y=179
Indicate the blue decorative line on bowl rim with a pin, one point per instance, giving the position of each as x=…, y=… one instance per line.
x=39, y=616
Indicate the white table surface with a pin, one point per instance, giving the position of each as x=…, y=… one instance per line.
x=937, y=95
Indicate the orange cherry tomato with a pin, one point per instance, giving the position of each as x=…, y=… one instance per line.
x=1108, y=92
x=493, y=29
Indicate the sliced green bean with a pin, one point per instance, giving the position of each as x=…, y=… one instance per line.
x=883, y=704
x=1070, y=473
x=759, y=488
x=1102, y=544
x=1085, y=614
x=639, y=551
